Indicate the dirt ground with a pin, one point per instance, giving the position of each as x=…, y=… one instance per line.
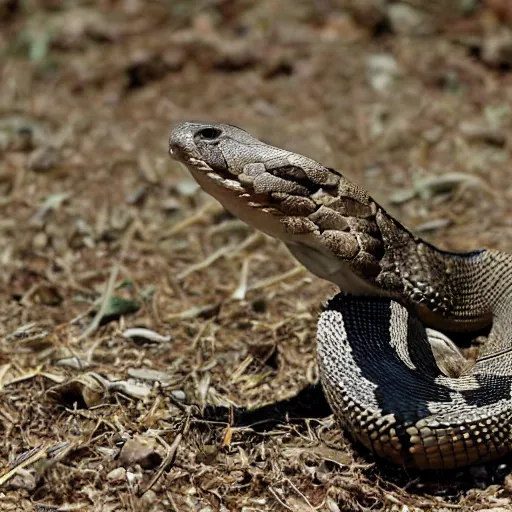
x=101, y=233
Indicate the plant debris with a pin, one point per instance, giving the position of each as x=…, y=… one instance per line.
x=157, y=354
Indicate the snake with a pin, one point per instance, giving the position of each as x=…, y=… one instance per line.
x=391, y=373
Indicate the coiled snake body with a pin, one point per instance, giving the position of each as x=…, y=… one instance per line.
x=400, y=387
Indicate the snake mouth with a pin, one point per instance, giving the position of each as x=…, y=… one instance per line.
x=177, y=153
x=220, y=177
x=198, y=164
x=217, y=175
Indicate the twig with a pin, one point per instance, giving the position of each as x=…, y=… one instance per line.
x=26, y=459
x=255, y=237
x=264, y=283
x=3, y=372
x=279, y=500
x=172, y=502
x=192, y=219
x=206, y=262
x=299, y=493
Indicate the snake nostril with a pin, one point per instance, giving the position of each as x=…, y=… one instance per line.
x=208, y=133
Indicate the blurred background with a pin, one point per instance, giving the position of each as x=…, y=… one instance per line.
x=410, y=99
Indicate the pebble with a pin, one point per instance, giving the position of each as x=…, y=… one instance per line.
x=117, y=475
x=497, y=49
x=148, y=499
x=406, y=20
x=382, y=71
x=179, y=394
x=140, y=450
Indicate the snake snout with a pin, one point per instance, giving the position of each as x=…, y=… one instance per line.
x=182, y=146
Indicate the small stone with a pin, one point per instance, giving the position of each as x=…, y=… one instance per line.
x=40, y=240
x=332, y=506
x=497, y=49
x=406, y=20
x=148, y=500
x=171, y=205
x=140, y=450
x=149, y=374
x=74, y=362
x=117, y=475
x=133, y=480
x=141, y=334
x=178, y=394
x=382, y=71
x=186, y=187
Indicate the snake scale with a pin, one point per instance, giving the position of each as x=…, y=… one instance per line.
x=391, y=375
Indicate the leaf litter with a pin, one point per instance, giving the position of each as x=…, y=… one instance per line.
x=137, y=315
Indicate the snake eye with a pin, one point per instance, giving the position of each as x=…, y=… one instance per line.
x=209, y=133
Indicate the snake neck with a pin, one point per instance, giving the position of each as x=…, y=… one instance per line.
x=450, y=291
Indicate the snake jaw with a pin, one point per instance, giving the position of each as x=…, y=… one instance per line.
x=198, y=164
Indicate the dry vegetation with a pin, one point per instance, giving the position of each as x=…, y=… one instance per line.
x=101, y=233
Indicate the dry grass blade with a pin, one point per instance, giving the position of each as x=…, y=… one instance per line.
x=219, y=253
x=241, y=289
x=426, y=188
x=270, y=281
x=200, y=215
x=279, y=500
x=28, y=458
x=250, y=240
x=109, y=290
x=294, y=487
x=191, y=313
x=25, y=376
x=4, y=370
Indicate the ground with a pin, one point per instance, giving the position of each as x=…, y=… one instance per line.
x=100, y=233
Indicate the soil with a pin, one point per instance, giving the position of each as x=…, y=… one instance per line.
x=215, y=406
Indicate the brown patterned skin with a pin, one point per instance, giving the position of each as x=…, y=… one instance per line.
x=384, y=373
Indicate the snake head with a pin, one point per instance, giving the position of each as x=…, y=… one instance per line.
x=326, y=222
x=212, y=147
x=232, y=153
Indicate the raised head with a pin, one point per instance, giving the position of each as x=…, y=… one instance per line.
x=327, y=222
